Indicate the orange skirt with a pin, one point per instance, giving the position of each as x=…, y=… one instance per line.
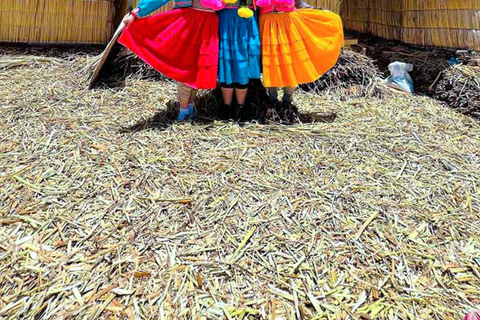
x=299, y=46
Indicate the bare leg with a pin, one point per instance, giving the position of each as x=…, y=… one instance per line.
x=184, y=95
x=193, y=95
x=241, y=95
x=227, y=94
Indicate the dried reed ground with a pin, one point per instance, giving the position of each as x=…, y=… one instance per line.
x=375, y=215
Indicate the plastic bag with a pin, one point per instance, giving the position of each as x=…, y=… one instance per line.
x=399, y=76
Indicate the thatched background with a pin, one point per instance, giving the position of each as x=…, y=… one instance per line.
x=56, y=21
x=452, y=24
x=332, y=5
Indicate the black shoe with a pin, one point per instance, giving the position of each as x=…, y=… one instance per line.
x=273, y=103
x=239, y=111
x=286, y=104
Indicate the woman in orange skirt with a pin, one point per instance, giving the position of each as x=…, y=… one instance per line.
x=298, y=46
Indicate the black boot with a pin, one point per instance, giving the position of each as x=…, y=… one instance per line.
x=289, y=112
x=287, y=101
x=239, y=111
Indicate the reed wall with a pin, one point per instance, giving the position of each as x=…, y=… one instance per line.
x=442, y=23
x=56, y=21
x=332, y=5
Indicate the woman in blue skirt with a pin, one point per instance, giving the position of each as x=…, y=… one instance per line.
x=239, y=55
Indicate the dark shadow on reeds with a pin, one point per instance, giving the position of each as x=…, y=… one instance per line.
x=53, y=50
x=257, y=109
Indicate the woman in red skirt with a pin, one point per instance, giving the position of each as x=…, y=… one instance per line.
x=182, y=44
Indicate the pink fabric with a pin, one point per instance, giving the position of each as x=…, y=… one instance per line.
x=237, y=7
x=213, y=4
x=473, y=316
x=182, y=44
x=276, y=9
x=267, y=6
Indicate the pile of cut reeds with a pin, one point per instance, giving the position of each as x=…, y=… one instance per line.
x=354, y=75
x=123, y=63
x=459, y=87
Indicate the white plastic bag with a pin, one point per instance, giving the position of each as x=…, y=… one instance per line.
x=399, y=77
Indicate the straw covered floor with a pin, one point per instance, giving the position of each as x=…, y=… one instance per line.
x=105, y=213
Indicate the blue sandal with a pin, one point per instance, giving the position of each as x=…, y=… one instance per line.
x=184, y=114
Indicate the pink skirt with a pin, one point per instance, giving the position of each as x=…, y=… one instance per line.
x=182, y=44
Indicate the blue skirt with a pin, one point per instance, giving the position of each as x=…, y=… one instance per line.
x=240, y=49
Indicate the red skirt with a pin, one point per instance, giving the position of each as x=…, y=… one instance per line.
x=182, y=44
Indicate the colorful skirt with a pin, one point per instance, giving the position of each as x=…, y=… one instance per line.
x=299, y=46
x=240, y=49
x=182, y=44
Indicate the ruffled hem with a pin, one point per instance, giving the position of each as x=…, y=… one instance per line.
x=298, y=47
x=182, y=44
x=240, y=48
